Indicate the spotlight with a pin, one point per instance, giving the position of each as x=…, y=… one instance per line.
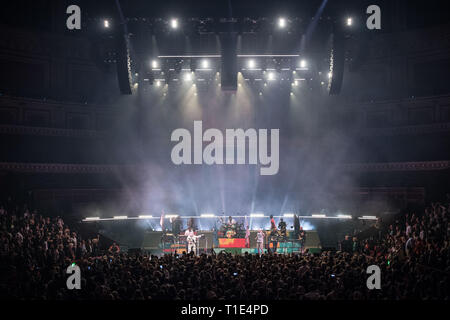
x=145, y=217
x=271, y=76
x=349, y=21
x=205, y=64
x=120, y=217
x=281, y=23
x=106, y=23
x=251, y=64
x=158, y=83
x=318, y=216
x=207, y=215
x=288, y=215
x=302, y=63
x=174, y=23
x=187, y=77
x=92, y=218
x=368, y=218
x=154, y=64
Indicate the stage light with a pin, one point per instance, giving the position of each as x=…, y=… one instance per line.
x=187, y=77
x=271, y=76
x=318, y=216
x=145, y=217
x=344, y=216
x=251, y=64
x=158, y=83
x=288, y=215
x=120, y=217
x=368, y=218
x=92, y=218
x=281, y=23
x=174, y=23
x=292, y=93
x=154, y=64
x=205, y=64
x=349, y=21
x=207, y=215
x=171, y=216
x=303, y=63
x=106, y=23
x=256, y=215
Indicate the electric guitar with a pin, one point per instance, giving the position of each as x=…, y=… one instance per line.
x=194, y=238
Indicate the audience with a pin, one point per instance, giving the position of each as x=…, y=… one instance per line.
x=413, y=254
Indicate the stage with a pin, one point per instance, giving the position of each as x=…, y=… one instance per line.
x=153, y=243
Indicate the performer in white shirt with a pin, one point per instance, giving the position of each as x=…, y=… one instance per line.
x=191, y=240
x=260, y=241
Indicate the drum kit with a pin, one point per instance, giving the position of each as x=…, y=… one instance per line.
x=231, y=230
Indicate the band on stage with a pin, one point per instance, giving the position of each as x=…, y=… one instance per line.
x=230, y=229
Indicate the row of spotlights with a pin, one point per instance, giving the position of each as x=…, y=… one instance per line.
x=282, y=23
x=252, y=215
x=251, y=64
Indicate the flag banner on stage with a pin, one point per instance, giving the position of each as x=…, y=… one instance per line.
x=232, y=243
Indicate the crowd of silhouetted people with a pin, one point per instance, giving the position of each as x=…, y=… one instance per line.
x=412, y=253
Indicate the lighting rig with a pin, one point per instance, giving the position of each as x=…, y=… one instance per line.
x=299, y=67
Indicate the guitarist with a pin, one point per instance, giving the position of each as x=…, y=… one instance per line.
x=282, y=227
x=302, y=238
x=273, y=235
x=191, y=240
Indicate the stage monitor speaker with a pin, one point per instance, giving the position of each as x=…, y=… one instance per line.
x=123, y=63
x=228, y=71
x=337, y=63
